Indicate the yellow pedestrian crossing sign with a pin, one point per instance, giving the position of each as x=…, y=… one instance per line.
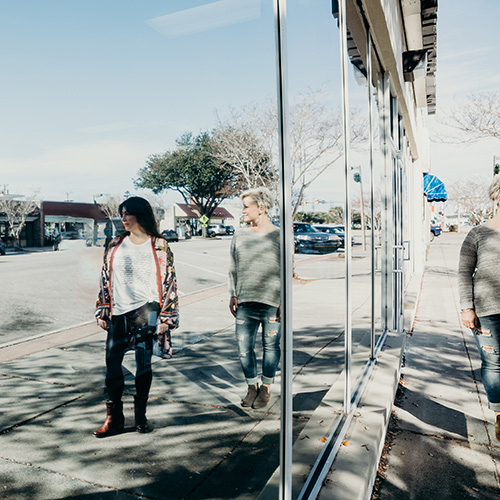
x=204, y=219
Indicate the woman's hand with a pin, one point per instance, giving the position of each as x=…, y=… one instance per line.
x=469, y=318
x=162, y=328
x=233, y=305
x=102, y=324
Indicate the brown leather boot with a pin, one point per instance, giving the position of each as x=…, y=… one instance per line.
x=251, y=395
x=262, y=398
x=141, y=422
x=114, y=420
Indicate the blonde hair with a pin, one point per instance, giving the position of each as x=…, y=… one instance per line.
x=494, y=189
x=261, y=195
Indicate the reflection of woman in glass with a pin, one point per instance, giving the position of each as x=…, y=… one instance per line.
x=138, y=289
x=254, y=287
x=479, y=287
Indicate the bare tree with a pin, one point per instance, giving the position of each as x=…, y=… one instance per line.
x=158, y=204
x=17, y=212
x=237, y=145
x=471, y=196
x=315, y=135
x=476, y=117
x=110, y=206
x=377, y=208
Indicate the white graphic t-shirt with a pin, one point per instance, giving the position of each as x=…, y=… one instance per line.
x=134, y=279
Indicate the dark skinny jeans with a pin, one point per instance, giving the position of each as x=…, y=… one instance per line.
x=117, y=344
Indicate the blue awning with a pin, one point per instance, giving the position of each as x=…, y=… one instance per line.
x=434, y=188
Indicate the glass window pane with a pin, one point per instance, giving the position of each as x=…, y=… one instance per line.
x=319, y=294
x=93, y=93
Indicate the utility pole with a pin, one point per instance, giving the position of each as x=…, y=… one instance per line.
x=357, y=178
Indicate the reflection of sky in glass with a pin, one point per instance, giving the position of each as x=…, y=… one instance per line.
x=206, y=17
x=93, y=87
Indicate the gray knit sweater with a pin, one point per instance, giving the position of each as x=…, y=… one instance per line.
x=254, y=271
x=479, y=271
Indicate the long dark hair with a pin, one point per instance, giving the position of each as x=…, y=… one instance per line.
x=142, y=211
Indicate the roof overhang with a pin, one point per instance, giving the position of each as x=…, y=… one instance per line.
x=420, y=23
x=419, y=19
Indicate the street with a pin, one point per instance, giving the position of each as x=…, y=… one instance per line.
x=46, y=291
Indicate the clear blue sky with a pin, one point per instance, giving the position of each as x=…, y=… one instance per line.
x=468, y=61
x=92, y=87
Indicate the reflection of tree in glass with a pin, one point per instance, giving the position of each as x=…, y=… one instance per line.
x=192, y=170
x=315, y=135
x=16, y=212
x=237, y=145
x=110, y=207
x=334, y=216
x=377, y=209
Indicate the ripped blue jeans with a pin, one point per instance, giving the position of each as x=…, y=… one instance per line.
x=488, y=342
x=249, y=316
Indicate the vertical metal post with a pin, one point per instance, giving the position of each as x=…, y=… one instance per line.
x=372, y=187
x=286, y=240
x=344, y=71
x=386, y=220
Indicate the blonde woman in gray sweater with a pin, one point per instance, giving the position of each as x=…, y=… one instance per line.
x=479, y=287
x=254, y=288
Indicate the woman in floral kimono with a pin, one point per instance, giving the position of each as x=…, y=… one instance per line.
x=137, y=302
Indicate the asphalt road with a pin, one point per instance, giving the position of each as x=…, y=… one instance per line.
x=46, y=291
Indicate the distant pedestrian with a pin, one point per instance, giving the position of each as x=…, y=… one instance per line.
x=254, y=288
x=479, y=287
x=56, y=239
x=137, y=301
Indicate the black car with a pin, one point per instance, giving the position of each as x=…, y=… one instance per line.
x=309, y=240
x=170, y=235
x=2, y=248
x=334, y=229
x=229, y=229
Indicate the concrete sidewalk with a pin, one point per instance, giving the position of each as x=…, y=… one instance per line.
x=204, y=444
x=441, y=441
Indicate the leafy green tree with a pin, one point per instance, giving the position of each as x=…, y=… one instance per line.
x=333, y=216
x=192, y=170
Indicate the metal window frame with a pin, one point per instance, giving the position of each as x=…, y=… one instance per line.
x=346, y=125
x=286, y=246
x=389, y=139
x=327, y=455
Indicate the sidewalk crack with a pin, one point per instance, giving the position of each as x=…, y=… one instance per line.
x=50, y=471
x=24, y=422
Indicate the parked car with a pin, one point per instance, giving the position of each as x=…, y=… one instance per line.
x=337, y=229
x=70, y=234
x=308, y=239
x=170, y=235
x=2, y=248
x=435, y=230
x=216, y=230
x=229, y=229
